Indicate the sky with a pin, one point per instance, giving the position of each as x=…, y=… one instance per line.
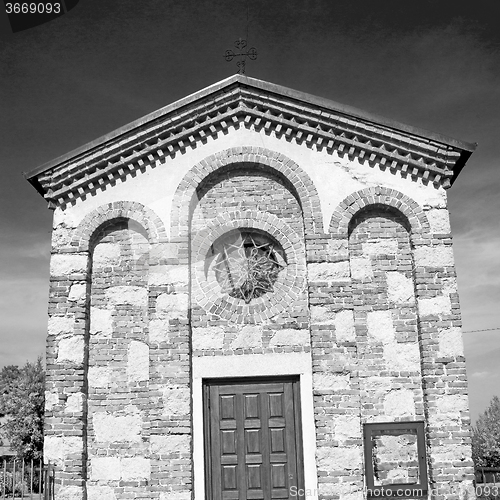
x=430, y=64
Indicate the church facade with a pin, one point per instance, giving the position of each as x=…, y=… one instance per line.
x=253, y=296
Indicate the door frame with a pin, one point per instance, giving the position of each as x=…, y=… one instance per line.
x=294, y=380
x=257, y=366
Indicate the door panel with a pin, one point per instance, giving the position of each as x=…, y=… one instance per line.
x=253, y=446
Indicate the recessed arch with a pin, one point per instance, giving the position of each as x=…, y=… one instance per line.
x=246, y=156
x=350, y=206
x=131, y=210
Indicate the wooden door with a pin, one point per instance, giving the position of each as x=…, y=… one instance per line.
x=253, y=443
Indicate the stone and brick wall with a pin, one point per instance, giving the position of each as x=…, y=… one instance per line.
x=260, y=199
x=372, y=298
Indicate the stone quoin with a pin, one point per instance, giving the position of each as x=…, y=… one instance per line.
x=253, y=295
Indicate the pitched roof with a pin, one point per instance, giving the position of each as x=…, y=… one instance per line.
x=243, y=101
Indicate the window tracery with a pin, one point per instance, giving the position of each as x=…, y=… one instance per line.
x=247, y=265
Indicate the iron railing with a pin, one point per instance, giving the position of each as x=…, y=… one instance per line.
x=26, y=479
x=489, y=475
x=487, y=483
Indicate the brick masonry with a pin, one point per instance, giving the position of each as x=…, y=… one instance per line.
x=371, y=296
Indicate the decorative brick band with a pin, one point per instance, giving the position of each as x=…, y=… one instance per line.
x=137, y=212
x=165, y=137
x=246, y=156
x=287, y=287
x=343, y=214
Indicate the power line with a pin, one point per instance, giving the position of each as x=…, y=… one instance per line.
x=485, y=330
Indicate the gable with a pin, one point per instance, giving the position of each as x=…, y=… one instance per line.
x=242, y=103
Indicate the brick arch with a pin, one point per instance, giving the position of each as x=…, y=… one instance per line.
x=137, y=212
x=246, y=156
x=287, y=289
x=350, y=206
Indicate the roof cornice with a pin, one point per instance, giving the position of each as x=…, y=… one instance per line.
x=242, y=101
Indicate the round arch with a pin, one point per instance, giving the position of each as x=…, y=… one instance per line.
x=242, y=156
x=137, y=212
x=350, y=206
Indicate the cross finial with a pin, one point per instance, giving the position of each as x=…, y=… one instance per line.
x=251, y=53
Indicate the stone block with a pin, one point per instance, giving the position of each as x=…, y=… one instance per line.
x=321, y=315
x=175, y=401
x=95, y=492
x=168, y=275
x=99, y=376
x=71, y=350
x=211, y=337
x=105, y=469
x=400, y=289
x=101, y=322
x=449, y=453
x=328, y=271
x=330, y=382
x=434, y=306
x=344, y=326
x=135, y=468
x=53, y=449
x=115, y=428
x=347, y=427
x=175, y=495
x=70, y=493
x=77, y=292
x=61, y=237
x=449, y=286
x=380, y=326
x=128, y=295
x=377, y=386
x=452, y=403
x=158, y=330
x=51, y=400
x=65, y=218
x=450, y=342
x=65, y=265
x=137, y=361
x=337, y=459
x=74, y=403
x=399, y=403
x=106, y=254
x=56, y=449
x=403, y=357
x=290, y=337
x=433, y=256
x=346, y=490
x=439, y=221
x=61, y=325
x=161, y=251
x=336, y=248
x=340, y=363
x=361, y=268
x=383, y=247
x=249, y=337
x=173, y=305
x=173, y=443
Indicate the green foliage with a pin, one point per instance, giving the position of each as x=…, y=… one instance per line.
x=22, y=400
x=13, y=485
x=8, y=377
x=486, y=437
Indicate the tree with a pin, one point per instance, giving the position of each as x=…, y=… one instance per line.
x=8, y=377
x=22, y=400
x=486, y=437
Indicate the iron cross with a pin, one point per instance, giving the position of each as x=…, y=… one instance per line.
x=240, y=45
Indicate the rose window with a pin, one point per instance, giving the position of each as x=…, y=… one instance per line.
x=248, y=265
